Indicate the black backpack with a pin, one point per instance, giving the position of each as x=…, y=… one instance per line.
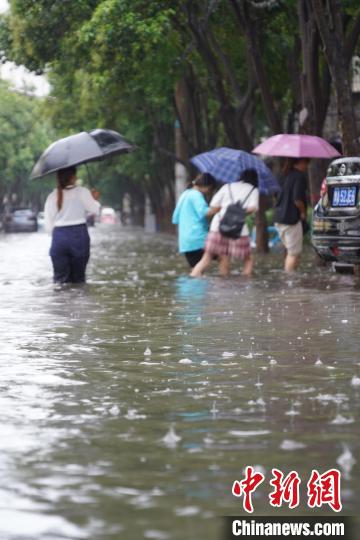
x=232, y=222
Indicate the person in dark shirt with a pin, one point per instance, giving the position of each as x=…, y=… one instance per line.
x=290, y=210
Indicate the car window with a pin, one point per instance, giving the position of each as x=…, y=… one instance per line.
x=344, y=168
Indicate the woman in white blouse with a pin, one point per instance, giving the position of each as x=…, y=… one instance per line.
x=66, y=209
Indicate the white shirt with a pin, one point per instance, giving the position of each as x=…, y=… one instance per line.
x=77, y=202
x=239, y=192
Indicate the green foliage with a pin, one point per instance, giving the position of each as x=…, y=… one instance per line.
x=24, y=135
x=123, y=79
x=115, y=63
x=42, y=30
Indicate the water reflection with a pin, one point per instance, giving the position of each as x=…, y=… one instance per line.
x=191, y=294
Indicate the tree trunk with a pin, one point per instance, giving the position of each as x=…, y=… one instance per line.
x=250, y=32
x=262, y=236
x=293, y=67
x=315, y=90
x=181, y=146
x=310, y=88
x=329, y=22
x=236, y=131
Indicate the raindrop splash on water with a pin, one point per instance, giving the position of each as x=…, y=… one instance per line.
x=227, y=354
x=214, y=410
x=346, y=461
x=355, y=381
x=171, y=439
x=290, y=445
x=341, y=420
x=185, y=361
x=292, y=411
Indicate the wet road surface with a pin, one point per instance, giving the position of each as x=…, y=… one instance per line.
x=129, y=406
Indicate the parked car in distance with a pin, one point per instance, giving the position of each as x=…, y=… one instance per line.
x=336, y=217
x=20, y=220
x=108, y=216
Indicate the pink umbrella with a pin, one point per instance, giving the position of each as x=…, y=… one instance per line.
x=297, y=146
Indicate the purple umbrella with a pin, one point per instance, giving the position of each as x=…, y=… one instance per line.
x=297, y=146
x=227, y=164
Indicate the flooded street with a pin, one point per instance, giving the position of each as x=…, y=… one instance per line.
x=129, y=406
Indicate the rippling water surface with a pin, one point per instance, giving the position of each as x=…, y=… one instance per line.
x=129, y=406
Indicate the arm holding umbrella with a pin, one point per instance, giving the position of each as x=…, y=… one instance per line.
x=90, y=203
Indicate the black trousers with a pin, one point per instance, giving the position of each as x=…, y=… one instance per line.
x=193, y=257
x=69, y=252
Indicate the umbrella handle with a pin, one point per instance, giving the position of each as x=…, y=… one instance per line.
x=88, y=175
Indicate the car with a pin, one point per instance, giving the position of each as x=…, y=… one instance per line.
x=20, y=220
x=336, y=217
x=108, y=216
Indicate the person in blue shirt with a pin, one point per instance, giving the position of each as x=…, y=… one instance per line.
x=191, y=215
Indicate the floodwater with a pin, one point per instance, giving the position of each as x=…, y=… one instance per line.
x=128, y=407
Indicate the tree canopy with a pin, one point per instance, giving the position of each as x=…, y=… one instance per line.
x=227, y=71
x=24, y=134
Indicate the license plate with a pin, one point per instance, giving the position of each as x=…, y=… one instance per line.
x=344, y=196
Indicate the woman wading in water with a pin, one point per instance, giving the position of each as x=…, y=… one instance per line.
x=245, y=191
x=65, y=211
x=191, y=215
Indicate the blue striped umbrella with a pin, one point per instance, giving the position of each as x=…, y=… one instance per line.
x=227, y=164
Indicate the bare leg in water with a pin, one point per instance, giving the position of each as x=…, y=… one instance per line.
x=224, y=265
x=291, y=262
x=201, y=265
x=248, y=266
x=204, y=263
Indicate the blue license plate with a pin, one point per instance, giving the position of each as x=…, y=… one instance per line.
x=344, y=196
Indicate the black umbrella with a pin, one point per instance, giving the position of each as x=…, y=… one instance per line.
x=81, y=148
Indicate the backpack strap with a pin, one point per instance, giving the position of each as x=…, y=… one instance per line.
x=231, y=194
x=248, y=195
x=246, y=198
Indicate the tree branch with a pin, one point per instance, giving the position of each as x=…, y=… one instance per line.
x=184, y=133
x=351, y=39
x=249, y=30
x=237, y=133
x=229, y=72
x=172, y=155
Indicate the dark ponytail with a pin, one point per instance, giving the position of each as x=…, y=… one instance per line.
x=64, y=177
x=204, y=180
